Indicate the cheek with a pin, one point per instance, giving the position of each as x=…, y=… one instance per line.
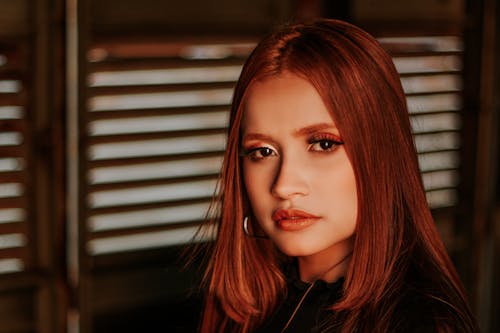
x=257, y=183
x=337, y=190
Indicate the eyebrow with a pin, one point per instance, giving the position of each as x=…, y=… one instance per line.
x=258, y=136
x=308, y=130
x=314, y=128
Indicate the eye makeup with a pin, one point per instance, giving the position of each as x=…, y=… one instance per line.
x=324, y=142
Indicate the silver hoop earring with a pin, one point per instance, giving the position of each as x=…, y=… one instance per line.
x=245, y=226
x=245, y=229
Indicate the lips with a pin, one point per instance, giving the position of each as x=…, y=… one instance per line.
x=293, y=219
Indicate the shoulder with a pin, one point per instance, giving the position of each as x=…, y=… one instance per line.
x=417, y=312
x=414, y=312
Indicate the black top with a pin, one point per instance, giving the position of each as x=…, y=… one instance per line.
x=313, y=311
x=314, y=314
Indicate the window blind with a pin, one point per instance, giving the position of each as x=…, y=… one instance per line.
x=430, y=69
x=156, y=120
x=14, y=152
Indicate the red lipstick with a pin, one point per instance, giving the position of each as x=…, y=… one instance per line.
x=293, y=219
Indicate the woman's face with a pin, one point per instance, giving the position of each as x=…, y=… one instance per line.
x=298, y=177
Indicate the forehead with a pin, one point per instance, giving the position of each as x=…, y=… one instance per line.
x=283, y=100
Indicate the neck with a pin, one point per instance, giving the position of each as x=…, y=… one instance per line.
x=328, y=266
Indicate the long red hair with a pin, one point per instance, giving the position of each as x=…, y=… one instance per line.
x=395, y=231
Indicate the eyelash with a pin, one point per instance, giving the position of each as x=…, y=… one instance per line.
x=333, y=140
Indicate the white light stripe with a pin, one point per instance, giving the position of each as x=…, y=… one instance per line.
x=11, y=266
x=147, y=240
x=158, y=193
x=218, y=119
x=165, y=76
x=172, y=169
x=12, y=241
x=158, y=147
x=442, y=198
x=11, y=164
x=11, y=190
x=178, y=214
x=436, y=122
x=12, y=215
x=427, y=64
x=441, y=102
x=11, y=139
x=161, y=100
x=11, y=112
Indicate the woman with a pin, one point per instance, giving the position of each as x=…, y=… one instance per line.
x=323, y=224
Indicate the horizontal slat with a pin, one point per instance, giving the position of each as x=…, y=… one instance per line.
x=158, y=170
x=165, y=76
x=437, y=142
x=151, y=159
x=434, y=103
x=14, y=240
x=158, y=147
x=11, y=164
x=93, y=211
x=431, y=83
x=10, y=86
x=11, y=190
x=435, y=122
x=442, y=198
x=159, y=112
x=161, y=100
x=150, y=182
x=148, y=217
x=120, y=64
x=416, y=44
x=182, y=122
x=12, y=215
x=11, y=265
x=151, y=136
x=140, y=229
x=11, y=112
x=427, y=64
x=439, y=161
x=11, y=138
x=422, y=53
x=440, y=179
x=124, y=90
x=187, y=49
x=144, y=241
x=158, y=193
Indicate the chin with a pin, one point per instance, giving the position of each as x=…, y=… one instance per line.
x=295, y=251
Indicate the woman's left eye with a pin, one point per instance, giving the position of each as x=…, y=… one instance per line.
x=324, y=145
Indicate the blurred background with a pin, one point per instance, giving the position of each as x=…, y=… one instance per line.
x=112, y=118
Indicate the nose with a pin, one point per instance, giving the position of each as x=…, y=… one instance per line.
x=290, y=180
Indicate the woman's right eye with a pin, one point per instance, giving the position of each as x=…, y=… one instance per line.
x=256, y=154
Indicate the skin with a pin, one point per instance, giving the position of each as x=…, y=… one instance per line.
x=294, y=159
